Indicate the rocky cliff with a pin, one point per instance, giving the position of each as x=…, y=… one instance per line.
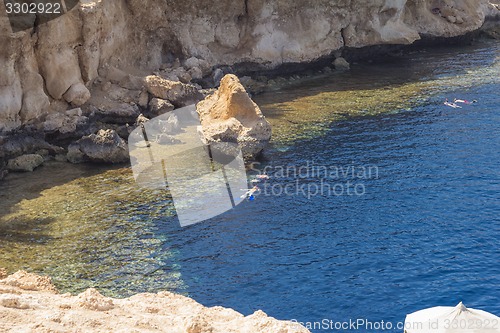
x=100, y=49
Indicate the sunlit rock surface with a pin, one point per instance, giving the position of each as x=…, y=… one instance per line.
x=58, y=65
x=31, y=302
x=229, y=115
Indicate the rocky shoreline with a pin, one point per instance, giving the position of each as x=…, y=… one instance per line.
x=74, y=89
x=91, y=76
x=29, y=302
x=99, y=135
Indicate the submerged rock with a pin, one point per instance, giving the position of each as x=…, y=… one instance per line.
x=104, y=147
x=229, y=115
x=26, y=163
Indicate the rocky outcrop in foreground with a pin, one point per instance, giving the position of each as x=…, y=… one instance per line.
x=30, y=303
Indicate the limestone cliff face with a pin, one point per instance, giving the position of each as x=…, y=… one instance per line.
x=54, y=66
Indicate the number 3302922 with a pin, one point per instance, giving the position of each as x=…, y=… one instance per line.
x=33, y=8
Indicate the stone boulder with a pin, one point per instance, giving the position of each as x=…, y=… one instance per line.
x=114, y=104
x=178, y=93
x=65, y=123
x=196, y=73
x=199, y=64
x=28, y=281
x=116, y=113
x=160, y=106
x=26, y=163
x=229, y=115
x=77, y=94
x=121, y=78
x=23, y=144
x=192, y=62
x=119, y=94
x=341, y=64
x=104, y=147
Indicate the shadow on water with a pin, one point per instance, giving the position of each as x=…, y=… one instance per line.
x=89, y=226
x=34, y=226
x=86, y=226
x=27, y=186
x=25, y=231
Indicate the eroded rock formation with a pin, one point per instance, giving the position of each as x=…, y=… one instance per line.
x=106, y=146
x=99, y=52
x=30, y=303
x=229, y=115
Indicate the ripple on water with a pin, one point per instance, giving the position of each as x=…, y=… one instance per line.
x=426, y=232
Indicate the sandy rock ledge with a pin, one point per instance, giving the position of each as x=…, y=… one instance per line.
x=30, y=303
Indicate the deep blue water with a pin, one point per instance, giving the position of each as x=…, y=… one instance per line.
x=425, y=233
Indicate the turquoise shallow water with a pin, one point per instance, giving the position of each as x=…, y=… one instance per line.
x=420, y=230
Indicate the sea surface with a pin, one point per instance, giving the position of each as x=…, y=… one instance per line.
x=382, y=201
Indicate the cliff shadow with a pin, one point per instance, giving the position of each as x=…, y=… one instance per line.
x=22, y=229
x=17, y=187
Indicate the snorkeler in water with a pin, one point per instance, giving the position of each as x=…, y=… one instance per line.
x=464, y=101
x=452, y=105
x=249, y=194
